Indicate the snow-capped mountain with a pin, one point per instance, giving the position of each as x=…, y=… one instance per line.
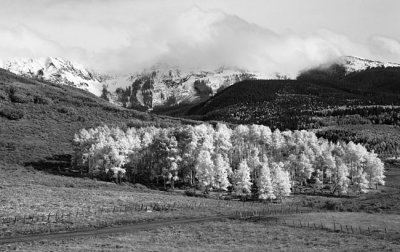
x=355, y=64
x=164, y=85
x=56, y=70
x=157, y=86
x=160, y=85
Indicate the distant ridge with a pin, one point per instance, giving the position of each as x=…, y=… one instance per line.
x=161, y=86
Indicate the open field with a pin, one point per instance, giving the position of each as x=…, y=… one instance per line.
x=381, y=225
x=229, y=235
x=36, y=202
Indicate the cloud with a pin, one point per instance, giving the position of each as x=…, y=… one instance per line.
x=213, y=38
x=200, y=38
x=20, y=40
x=127, y=36
x=386, y=48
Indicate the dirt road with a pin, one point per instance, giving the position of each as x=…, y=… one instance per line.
x=108, y=230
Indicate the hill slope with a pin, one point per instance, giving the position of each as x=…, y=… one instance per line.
x=278, y=104
x=38, y=119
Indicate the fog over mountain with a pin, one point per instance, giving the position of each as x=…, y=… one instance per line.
x=126, y=36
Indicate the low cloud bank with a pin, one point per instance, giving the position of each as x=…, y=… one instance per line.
x=123, y=40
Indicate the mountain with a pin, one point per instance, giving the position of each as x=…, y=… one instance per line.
x=161, y=87
x=38, y=119
x=165, y=86
x=166, y=89
x=56, y=70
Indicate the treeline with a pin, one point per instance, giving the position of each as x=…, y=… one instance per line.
x=374, y=114
x=246, y=160
x=383, y=139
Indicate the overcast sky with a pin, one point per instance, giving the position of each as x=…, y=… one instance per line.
x=275, y=35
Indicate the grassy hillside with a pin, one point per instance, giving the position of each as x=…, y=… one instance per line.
x=38, y=119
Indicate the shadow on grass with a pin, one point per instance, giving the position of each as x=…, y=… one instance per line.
x=57, y=164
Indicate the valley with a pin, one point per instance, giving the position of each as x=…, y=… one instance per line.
x=178, y=125
x=47, y=187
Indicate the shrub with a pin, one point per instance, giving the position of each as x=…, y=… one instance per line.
x=81, y=119
x=67, y=110
x=333, y=205
x=140, y=187
x=135, y=123
x=11, y=113
x=20, y=98
x=190, y=193
x=42, y=100
x=3, y=95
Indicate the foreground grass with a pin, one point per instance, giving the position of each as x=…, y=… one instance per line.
x=374, y=221
x=36, y=202
x=88, y=204
x=385, y=226
x=226, y=235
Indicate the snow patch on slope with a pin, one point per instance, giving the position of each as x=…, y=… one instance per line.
x=356, y=64
x=56, y=70
x=164, y=85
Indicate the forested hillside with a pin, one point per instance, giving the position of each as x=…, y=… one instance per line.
x=38, y=119
x=380, y=83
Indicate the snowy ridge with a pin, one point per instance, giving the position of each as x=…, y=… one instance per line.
x=356, y=64
x=164, y=85
x=160, y=85
x=56, y=70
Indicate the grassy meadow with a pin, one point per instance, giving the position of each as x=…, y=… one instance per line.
x=229, y=235
x=36, y=202
x=90, y=204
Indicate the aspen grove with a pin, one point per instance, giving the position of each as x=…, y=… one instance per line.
x=246, y=160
